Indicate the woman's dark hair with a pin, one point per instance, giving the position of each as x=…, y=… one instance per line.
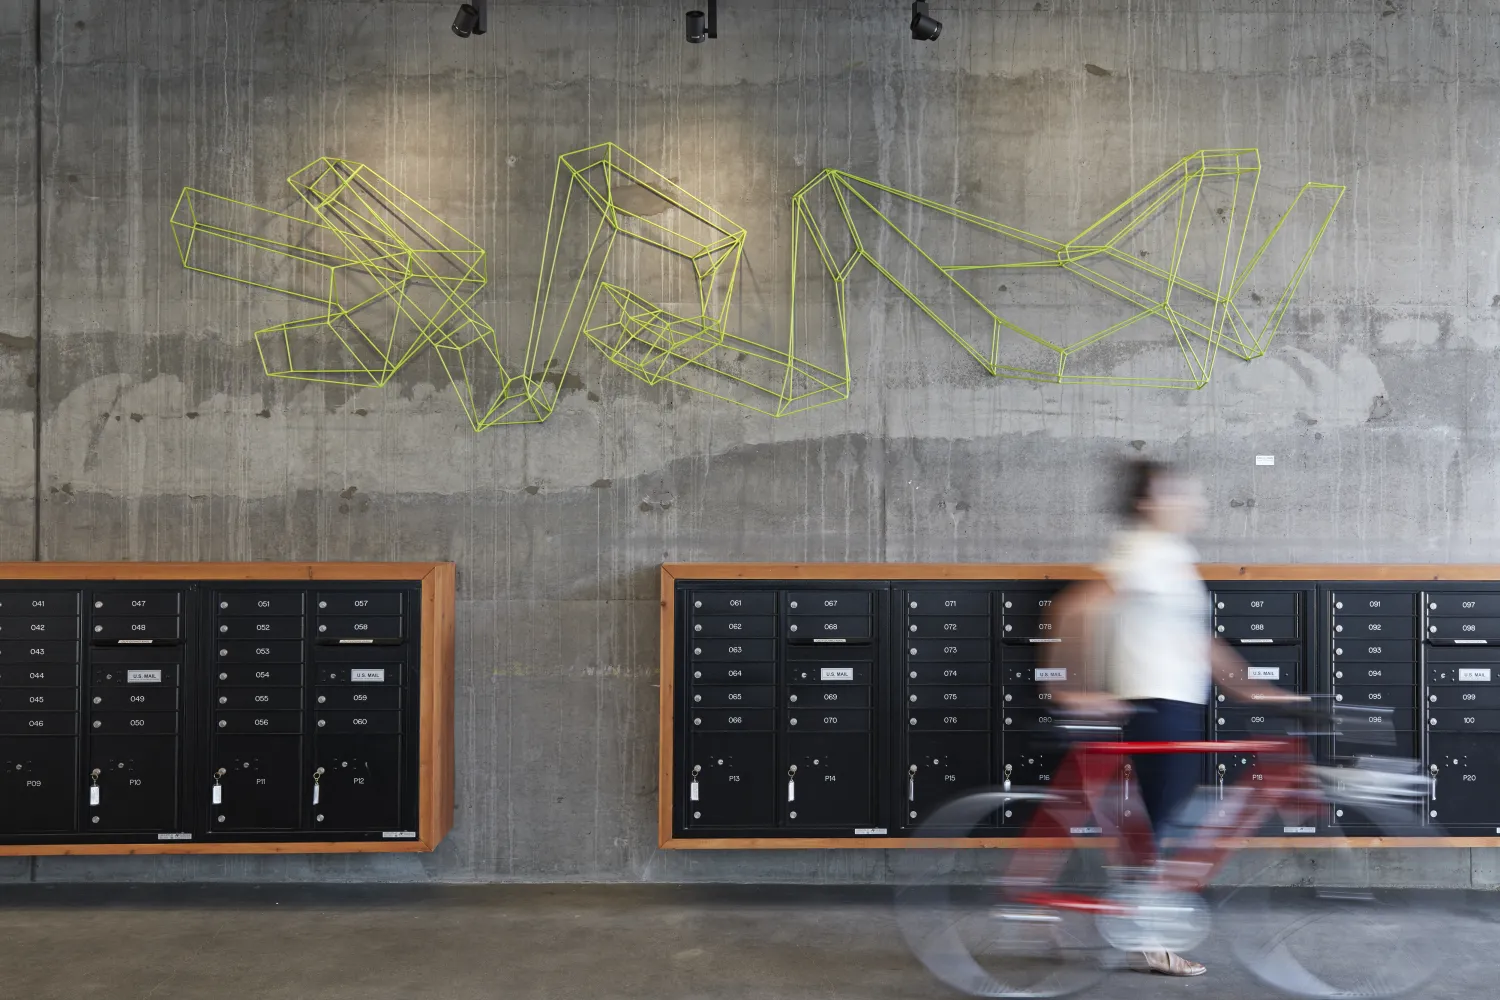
x=1138, y=479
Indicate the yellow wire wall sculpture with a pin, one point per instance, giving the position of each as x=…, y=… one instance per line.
x=390, y=278
x=1195, y=215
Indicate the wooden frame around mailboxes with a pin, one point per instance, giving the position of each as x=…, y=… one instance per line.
x=838, y=572
x=438, y=580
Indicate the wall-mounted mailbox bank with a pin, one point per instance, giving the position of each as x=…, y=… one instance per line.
x=838, y=705
x=225, y=707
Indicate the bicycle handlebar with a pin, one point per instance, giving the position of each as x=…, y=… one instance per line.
x=1319, y=715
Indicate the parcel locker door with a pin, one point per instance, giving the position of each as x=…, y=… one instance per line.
x=259, y=780
x=358, y=783
x=39, y=785
x=138, y=783
x=1030, y=762
x=1466, y=771
x=828, y=781
x=940, y=767
x=730, y=780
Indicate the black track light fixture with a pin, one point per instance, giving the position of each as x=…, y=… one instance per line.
x=923, y=27
x=473, y=19
x=703, y=26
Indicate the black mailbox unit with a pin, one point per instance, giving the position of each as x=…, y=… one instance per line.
x=836, y=710
x=782, y=708
x=947, y=707
x=202, y=712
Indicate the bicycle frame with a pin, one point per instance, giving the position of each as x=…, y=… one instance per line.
x=1093, y=788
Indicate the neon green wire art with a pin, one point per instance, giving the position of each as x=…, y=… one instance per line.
x=390, y=279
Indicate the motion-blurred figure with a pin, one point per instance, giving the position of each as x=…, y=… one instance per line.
x=1147, y=654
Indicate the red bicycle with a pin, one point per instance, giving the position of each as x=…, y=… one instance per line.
x=1085, y=887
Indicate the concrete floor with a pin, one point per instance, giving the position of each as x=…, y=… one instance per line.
x=519, y=943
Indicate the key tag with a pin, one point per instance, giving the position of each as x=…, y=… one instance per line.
x=218, y=788
x=94, y=788
x=317, y=784
x=911, y=783
x=693, y=785
x=791, y=784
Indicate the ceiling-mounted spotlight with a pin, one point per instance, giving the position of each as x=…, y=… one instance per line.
x=701, y=26
x=473, y=19
x=924, y=28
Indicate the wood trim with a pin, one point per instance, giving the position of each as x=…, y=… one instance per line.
x=216, y=570
x=1415, y=572
x=435, y=714
x=878, y=571
x=436, y=765
x=1052, y=843
x=177, y=847
x=667, y=747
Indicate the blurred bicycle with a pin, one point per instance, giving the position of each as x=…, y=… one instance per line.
x=1059, y=911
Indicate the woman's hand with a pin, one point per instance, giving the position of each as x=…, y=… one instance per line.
x=1090, y=704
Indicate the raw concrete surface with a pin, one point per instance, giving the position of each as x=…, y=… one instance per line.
x=162, y=438
x=531, y=943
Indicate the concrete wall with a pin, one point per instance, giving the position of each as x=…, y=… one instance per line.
x=162, y=439
x=18, y=280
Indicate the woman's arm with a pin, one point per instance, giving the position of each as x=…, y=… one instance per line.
x=1077, y=611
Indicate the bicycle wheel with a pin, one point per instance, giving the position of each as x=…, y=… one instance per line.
x=1337, y=934
x=969, y=916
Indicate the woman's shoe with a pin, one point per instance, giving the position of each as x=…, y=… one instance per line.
x=1167, y=964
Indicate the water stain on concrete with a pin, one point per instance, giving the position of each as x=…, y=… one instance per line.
x=638, y=199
